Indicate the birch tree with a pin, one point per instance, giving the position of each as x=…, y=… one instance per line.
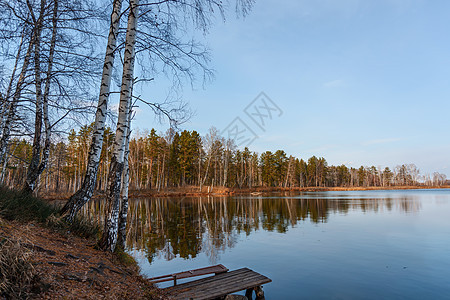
x=84, y=194
x=12, y=103
x=161, y=38
x=170, y=46
x=57, y=67
x=109, y=238
x=122, y=234
x=37, y=165
x=5, y=106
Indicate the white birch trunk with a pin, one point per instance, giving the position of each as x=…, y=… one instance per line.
x=200, y=168
x=32, y=172
x=5, y=98
x=109, y=239
x=11, y=111
x=4, y=108
x=47, y=125
x=84, y=194
x=38, y=164
x=122, y=234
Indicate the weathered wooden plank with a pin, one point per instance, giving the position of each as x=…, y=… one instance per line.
x=238, y=272
x=235, y=280
x=187, y=274
x=213, y=282
x=235, y=275
x=220, y=290
x=211, y=294
x=219, y=285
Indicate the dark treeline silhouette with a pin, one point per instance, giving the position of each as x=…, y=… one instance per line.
x=181, y=159
x=184, y=227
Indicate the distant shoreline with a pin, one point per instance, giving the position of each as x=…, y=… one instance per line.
x=192, y=191
x=220, y=191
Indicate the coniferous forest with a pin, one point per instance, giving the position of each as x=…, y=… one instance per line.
x=182, y=159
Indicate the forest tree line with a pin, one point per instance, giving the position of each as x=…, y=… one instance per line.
x=181, y=159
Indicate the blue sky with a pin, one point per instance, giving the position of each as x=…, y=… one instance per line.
x=359, y=82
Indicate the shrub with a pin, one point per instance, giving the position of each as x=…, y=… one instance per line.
x=18, y=205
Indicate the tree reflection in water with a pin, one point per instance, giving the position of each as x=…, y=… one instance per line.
x=184, y=227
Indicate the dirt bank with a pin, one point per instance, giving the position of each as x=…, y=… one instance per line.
x=63, y=266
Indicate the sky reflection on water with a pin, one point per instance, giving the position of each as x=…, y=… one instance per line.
x=341, y=245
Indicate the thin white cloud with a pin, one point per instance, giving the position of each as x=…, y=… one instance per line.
x=380, y=141
x=334, y=83
x=321, y=149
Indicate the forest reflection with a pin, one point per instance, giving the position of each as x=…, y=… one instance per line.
x=184, y=227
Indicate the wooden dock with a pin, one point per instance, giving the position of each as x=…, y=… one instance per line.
x=220, y=285
x=217, y=269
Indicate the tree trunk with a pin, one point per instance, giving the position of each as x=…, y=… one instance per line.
x=5, y=98
x=47, y=125
x=109, y=239
x=84, y=194
x=11, y=110
x=122, y=233
x=38, y=165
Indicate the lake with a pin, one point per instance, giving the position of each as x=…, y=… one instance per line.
x=313, y=245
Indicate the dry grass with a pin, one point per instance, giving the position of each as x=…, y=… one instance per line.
x=41, y=256
x=18, y=277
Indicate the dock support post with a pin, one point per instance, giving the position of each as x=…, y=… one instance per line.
x=248, y=293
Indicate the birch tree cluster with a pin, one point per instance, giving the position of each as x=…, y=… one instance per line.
x=52, y=63
x=48, y=65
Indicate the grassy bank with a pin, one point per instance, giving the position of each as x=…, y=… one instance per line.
x=21, y=206
x=42, y=256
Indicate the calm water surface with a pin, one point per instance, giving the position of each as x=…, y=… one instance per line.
x=321, y=245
